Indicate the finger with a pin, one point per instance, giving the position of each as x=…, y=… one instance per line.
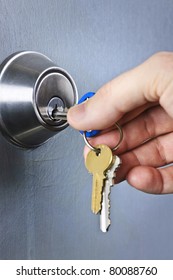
x=150, y=124
x=155, y=153
x=103, y=109
x=151, y=180
x=136, y=112
x=151, y=82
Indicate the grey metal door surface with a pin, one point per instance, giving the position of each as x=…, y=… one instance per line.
x=45, y=193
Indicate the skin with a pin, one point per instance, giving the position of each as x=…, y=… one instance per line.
x=141, y=101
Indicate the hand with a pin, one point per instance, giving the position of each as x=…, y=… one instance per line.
x=141, y=101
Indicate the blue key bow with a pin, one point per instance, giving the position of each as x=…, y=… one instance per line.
x=86, y=96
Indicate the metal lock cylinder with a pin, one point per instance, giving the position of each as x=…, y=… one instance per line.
x=31, y=86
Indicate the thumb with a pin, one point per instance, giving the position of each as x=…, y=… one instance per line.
x=139, y=86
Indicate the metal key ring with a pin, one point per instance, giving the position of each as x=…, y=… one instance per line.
x=114, y=148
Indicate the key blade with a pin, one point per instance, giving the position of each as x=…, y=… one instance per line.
x=98, y=182
x=60, y=113
x=111, y=173
x=105, y=220
x=105, y=211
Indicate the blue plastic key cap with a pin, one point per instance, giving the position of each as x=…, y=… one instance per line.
x=86, y=96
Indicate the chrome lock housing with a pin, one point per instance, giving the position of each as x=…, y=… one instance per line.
x=31, y=86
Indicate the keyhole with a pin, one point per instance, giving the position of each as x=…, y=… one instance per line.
x=54, y=111
x=53, y=104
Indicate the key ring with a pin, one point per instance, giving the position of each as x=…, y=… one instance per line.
x=114, y=148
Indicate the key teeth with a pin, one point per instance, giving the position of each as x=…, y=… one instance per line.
x=109, y=195
x=107, y=226
x=109, y=212
x=115, y=172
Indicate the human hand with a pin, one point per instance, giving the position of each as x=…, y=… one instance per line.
x=141, y=101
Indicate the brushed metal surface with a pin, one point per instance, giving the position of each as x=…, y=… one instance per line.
x=28, y=81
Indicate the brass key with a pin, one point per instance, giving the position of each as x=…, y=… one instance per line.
x=98, y=163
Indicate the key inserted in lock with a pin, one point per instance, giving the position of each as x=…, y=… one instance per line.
x=60, y=113
x=31, y=87
x=55, y=104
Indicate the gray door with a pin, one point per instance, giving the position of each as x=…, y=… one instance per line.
x=45, y=193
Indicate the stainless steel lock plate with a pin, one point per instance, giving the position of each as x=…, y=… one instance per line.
x=51, y=91
x=31, y=85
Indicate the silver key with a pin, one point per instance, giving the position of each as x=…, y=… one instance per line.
x=105, y=211
x=60, y=113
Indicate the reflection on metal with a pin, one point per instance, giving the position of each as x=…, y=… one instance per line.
x=31, y=87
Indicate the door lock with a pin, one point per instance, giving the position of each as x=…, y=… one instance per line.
x=31, y=87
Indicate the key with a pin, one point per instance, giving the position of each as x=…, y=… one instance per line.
x=98, y=164
x=105, y=211
x=59, y=113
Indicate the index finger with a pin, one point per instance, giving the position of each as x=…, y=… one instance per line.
x=135, y=88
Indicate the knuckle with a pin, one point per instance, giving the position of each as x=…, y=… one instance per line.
x=164, y=60
x=160, y=65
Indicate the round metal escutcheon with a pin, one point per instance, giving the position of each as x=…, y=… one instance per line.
x=29, y=81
